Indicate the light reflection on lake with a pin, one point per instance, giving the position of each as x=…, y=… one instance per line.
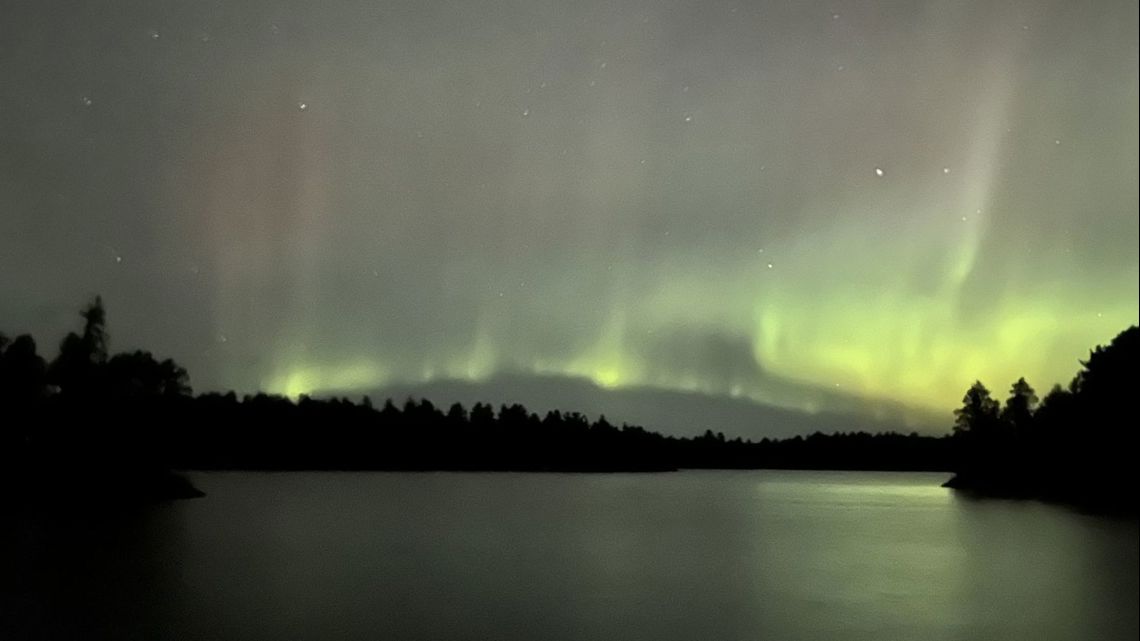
x=691, y=555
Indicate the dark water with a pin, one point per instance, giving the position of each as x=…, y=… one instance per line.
x=693, y=555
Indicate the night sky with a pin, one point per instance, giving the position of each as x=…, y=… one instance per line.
x=846, y=209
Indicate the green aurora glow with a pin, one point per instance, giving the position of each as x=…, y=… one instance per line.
x=812, y=205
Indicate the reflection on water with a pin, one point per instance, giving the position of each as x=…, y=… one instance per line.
x=692, y=555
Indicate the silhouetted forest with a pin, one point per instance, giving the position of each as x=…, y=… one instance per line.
x=1076, y=445
x=125, y=419
x=117, y=424
x=87, y=424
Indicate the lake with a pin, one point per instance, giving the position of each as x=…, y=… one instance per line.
x=719, y=555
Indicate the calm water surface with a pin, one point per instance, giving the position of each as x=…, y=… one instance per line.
x=691, y=555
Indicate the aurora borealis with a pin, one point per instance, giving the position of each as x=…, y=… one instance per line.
x=822, y=206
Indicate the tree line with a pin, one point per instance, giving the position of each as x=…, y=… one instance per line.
x=126, y=419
